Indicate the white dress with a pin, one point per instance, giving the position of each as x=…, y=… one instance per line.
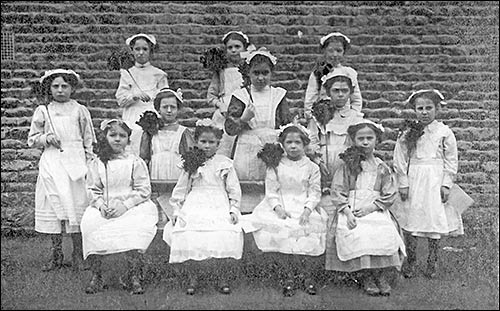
x=332, y=139
x=150, y=80
x=375, y=242
x=204, y=202
x=126, y=179
x=250, y=142
x=296, y=186
x=61, y=186
x=220, y=90
x=165, y=157
x=433, y=164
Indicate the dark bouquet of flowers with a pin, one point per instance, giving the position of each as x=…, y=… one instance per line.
x=193, y=159
x=353, y=156
x=214, y=59
x=321, y=68
x=120, y=60
x=244, y=69
x=413, y=130
x=102, y=148
x=271, y=154
x=322, y=110
x=150, y=122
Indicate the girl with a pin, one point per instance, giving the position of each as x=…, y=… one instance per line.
x=333, y=46
x=227, y=80
x=426, y=165
x=254, y=113
x=162, y=150
x=63, y=128
x=329, y=137
x=362, y=234
x=121, y=217
x=206, y=210
x=288, y=217
x=139, y=85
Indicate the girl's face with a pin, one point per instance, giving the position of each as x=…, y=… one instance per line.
x=339, y=94
x=426, y=110
x=334, y=52
x=233, y=50
x=60, y=90
x=260, y=75
x=168, y=109
x=294, y=146
x=141, y=51
x=366, y=138
x=208, y=142
x=117, y=138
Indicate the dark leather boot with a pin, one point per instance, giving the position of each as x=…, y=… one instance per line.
x=410, y=265
x=56, y=261
x=432, y=258
x=97, y=282
x=77, y=262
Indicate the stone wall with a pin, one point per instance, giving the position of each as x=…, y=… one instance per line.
x=397, y=47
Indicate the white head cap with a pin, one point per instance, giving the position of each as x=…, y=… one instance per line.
x=333, y=34
x=150, y=38
x=442, y=102
x=49, y=73
x=262, y=51
x=177, y=93
x=236, y=32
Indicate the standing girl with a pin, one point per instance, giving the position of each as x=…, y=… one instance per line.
x=139, y=85
x=288, y=218
x=227, y=79
x=426, y=162
x=363, y=235
x=329, y=135
x=164, y=142
x=206, y=210
x=63, y=128
x=333, y=46
x=121, y=217
x=254, y=113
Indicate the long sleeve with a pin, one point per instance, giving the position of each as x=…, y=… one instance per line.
x=162, y=82
x=340, y=188
x=214, y=91
x=387, y=186
x=401, y=163
x=233, y=190
x=272, y=188
x=87, y=130
x=282, y=113
x=124, y=94
x=450, y=159
x=314, y=146
x=314, y=189
x=356, y=99
x=37, y=136
x=312, y=94
x=141, y=185
x=179, y=193
x=96, y=186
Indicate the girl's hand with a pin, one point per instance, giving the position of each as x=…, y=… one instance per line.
x=142, y=96
x=304, y=218
x=351, y=220
x=234, y=218
x=403, y=193
x=445, y=193
x=117, y=208
x=365, y=210
x=281, y=212
x=104, y=211
x=53, y=140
